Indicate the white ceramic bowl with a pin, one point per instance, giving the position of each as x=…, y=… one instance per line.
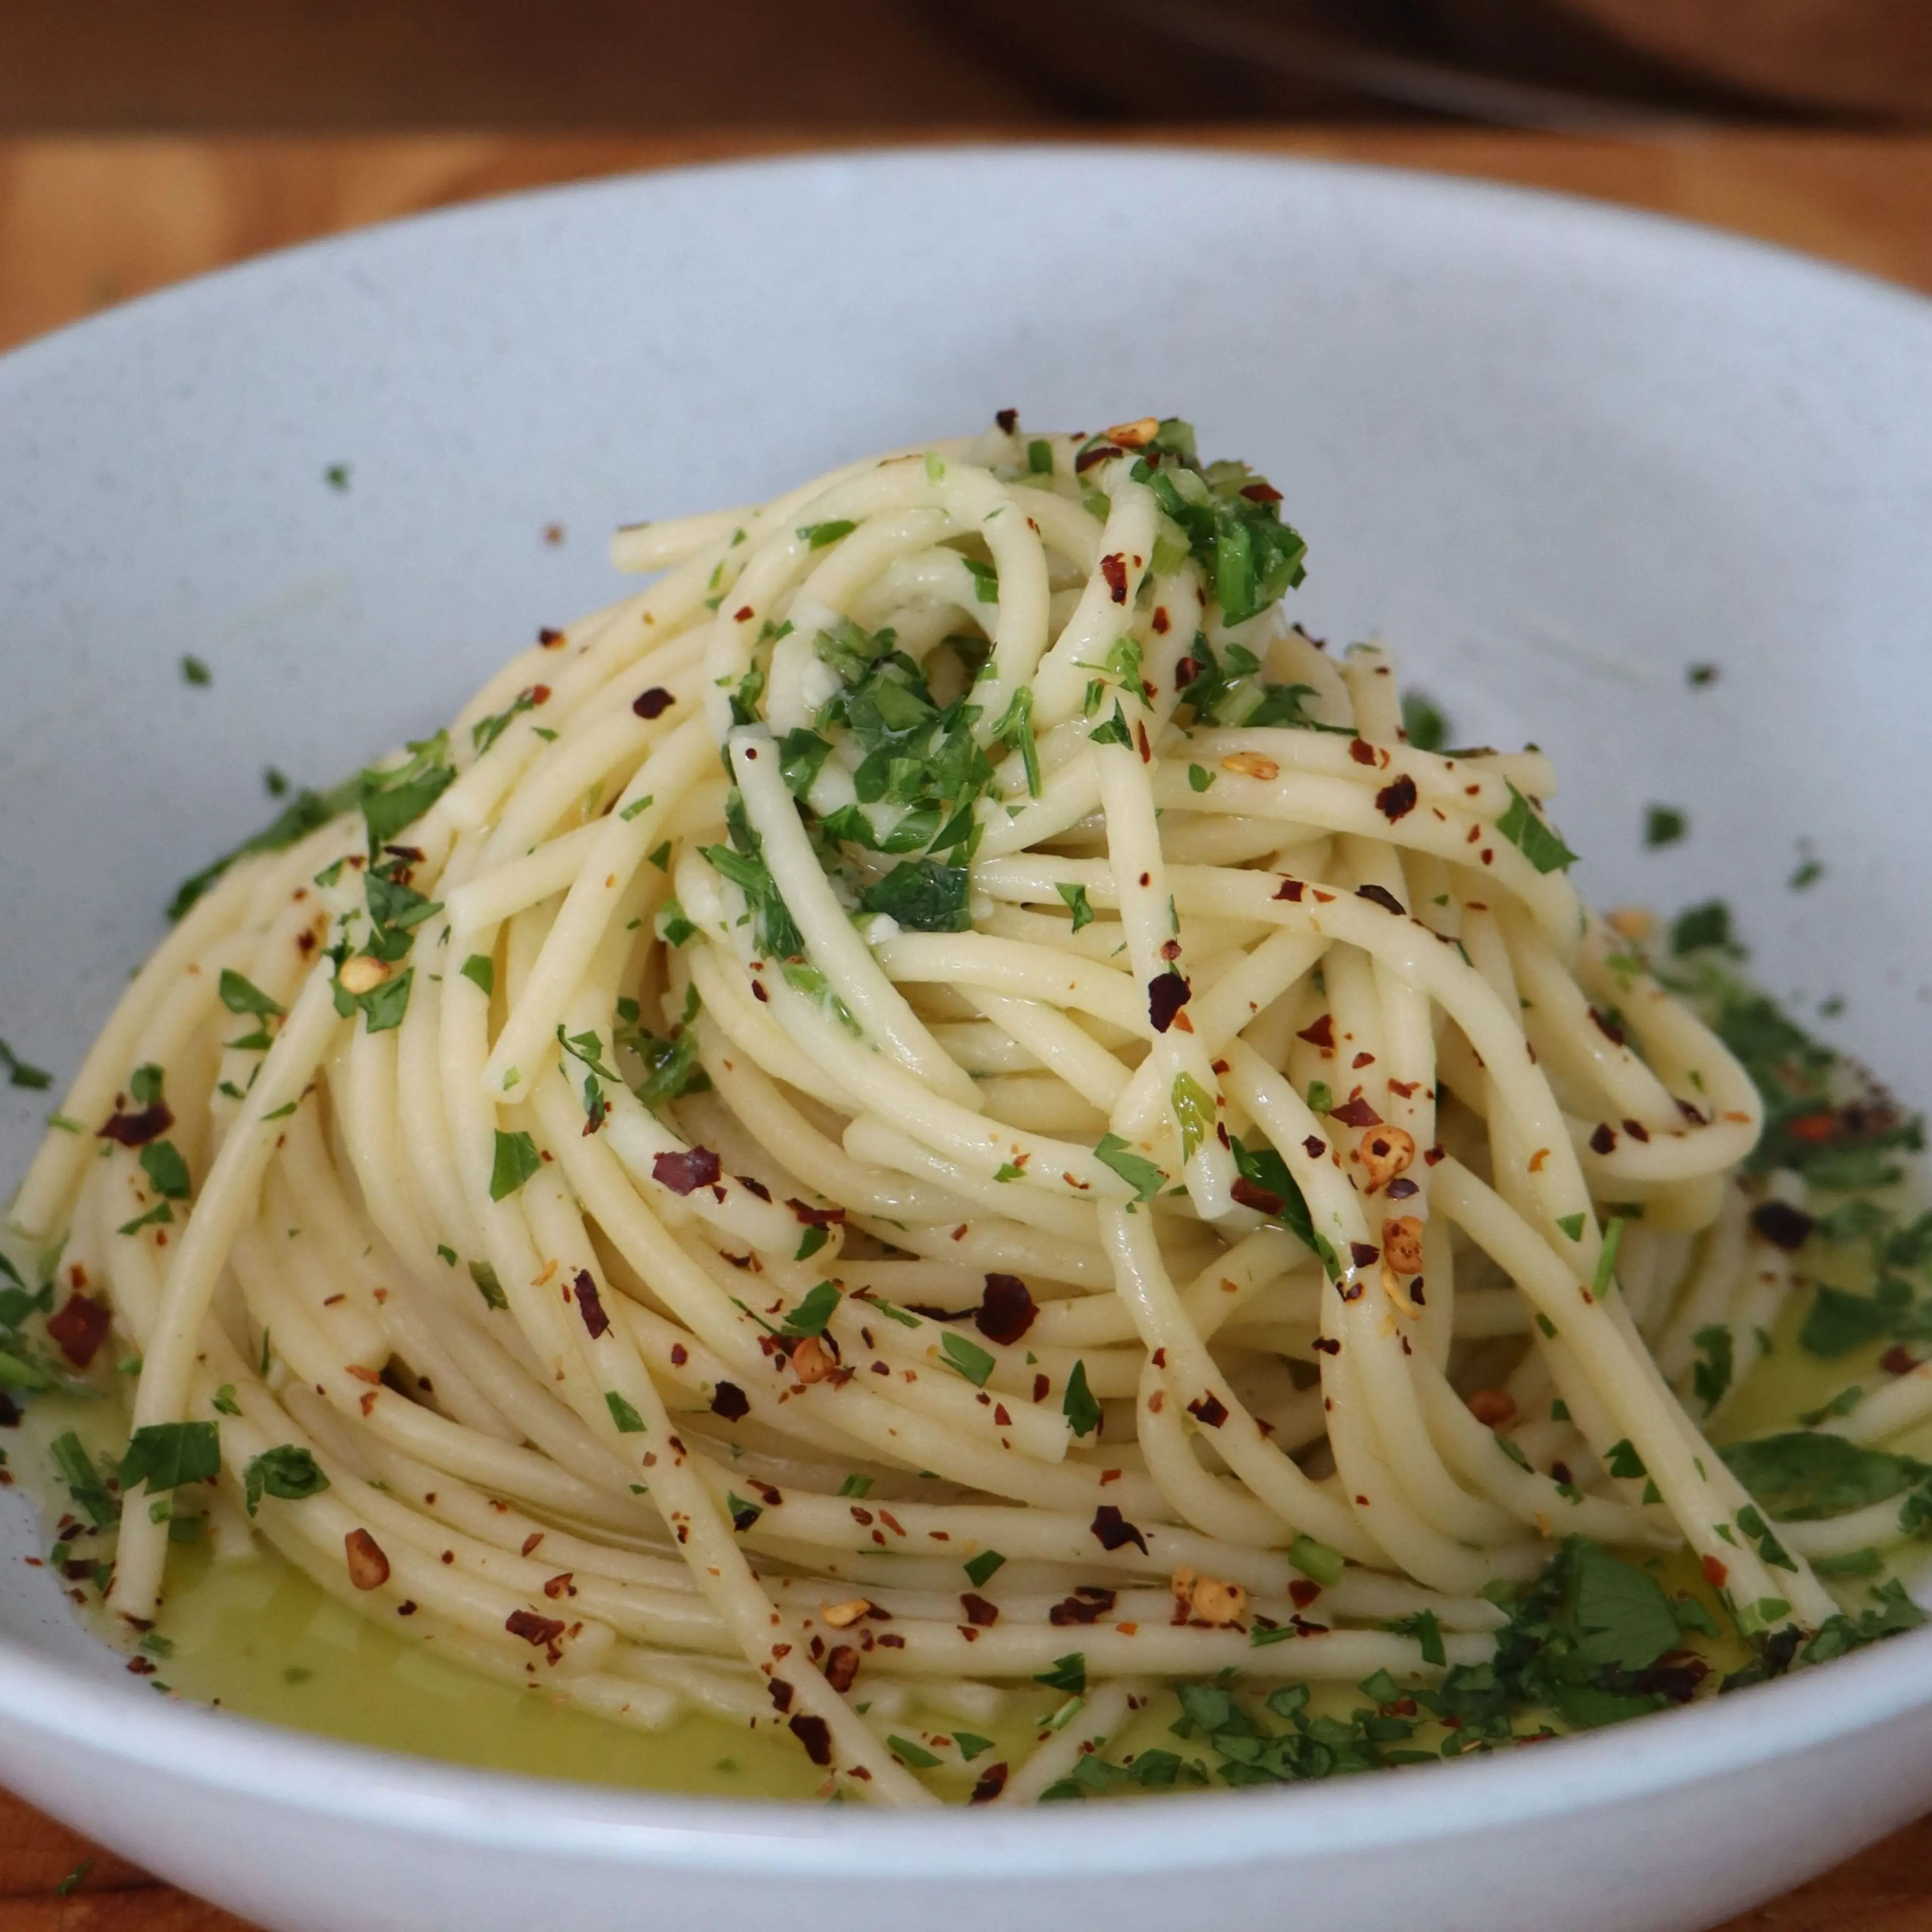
x=1553, y=453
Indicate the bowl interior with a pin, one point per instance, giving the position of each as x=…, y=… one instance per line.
x=1555, y=456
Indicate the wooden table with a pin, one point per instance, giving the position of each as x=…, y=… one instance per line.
x=84, y=223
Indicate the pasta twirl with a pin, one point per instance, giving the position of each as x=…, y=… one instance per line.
x=938, y=1098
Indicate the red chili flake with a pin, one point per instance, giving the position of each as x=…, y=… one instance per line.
x=1302, y=1591
x=1114, y=1531
x=1007, y=1310
x=1328, y=1345
x=1160, y=620
x=1401, y=1188
x=759, y=994
x=1042, y=1387
x=588, y=1305
x=142, y=1666
x=1314, y=1147
x=978, y=1610
x=841, y=1668
x=1356, y=1113
x=816, y=1217
x=1363, y=1254
x=1086, y=459
x=1259, y=492
x=1322, y=1033
x=1813, y=1127
x=1361, y=751
x=653, y=703
x=1167, y=993
x=1382, y=896
x=1253, y=1194
x=133, y=1130
x=743, y=614
x=729, y=1401
x=1291, y=890
x=1008, y=420
x=814, y=1734
x=1114, y=570
x=685, y=1173
x=1695, y=1115
x=1780, y=1224
x=1636, y=1130
x=1609, y=1029
x=992, y=1782
x=1898, y=1360
x=1430, y=1156
x=780, y=1694
x=559, y=1585
x=1676, y=1676
x=1186, y=670
x=80, y=1328
x=1080, y=1609
x=1396, y=800
x=1714, y=1573
x=549, y=638
x=751, y=1186
x=368, y=1567
x=1604, y=1138
x=1209, y=1410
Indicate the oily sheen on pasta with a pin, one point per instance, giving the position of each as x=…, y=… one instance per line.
x=940, y=1097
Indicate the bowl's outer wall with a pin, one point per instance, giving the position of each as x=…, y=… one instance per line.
x=1555, y=455
x=1677, y=1859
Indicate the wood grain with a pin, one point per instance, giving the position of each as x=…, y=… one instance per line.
x=87, y=222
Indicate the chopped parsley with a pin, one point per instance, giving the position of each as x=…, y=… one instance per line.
x=1136, y=1170
x=1079, y=1405
x=164, y=1455
x=923, y=895
x=966, y=1358
x=628, y=1421
x=1710, y=1378
x=1230, y=521
x=1075, y=898
x=812, y=1314
x=22, y=1073
x=289, y=1473
x=979, y=1569
x=516, y=1159
x=488, y=1285
x=1663, y=825
x=1423, y=719
x=1524, y=828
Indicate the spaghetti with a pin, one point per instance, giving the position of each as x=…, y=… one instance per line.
x=940, y=1098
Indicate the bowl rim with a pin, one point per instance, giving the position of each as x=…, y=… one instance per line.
x=61, y=1704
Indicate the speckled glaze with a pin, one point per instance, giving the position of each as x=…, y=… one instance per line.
x=1553, y=453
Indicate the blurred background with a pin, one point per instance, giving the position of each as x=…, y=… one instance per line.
x=142, y=141
x=335, y=65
